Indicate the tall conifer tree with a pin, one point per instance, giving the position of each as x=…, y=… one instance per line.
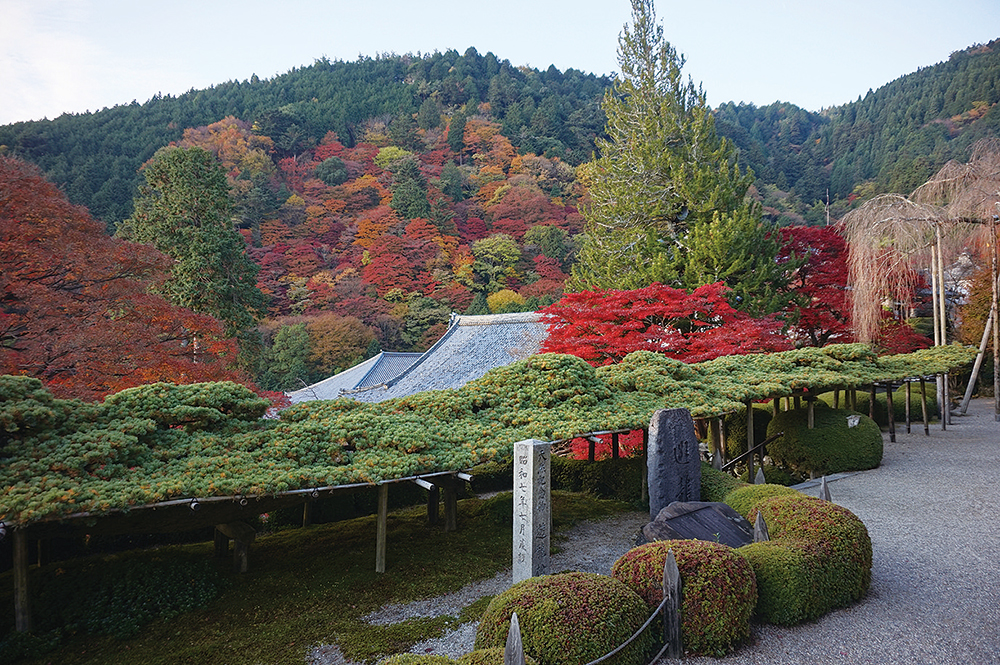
x=664, y=180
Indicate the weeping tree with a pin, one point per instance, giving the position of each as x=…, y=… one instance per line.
x=891, y=235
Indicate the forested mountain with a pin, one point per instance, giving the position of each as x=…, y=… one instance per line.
x=95, y=157
x=891, y=139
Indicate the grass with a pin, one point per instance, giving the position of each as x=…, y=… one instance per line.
x=309, y=586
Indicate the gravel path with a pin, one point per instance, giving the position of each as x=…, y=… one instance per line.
x=935, y=595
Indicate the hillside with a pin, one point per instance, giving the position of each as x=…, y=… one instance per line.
x=380, y=196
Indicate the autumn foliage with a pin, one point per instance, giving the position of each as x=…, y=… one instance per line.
x=602, y=327
x=74, y=306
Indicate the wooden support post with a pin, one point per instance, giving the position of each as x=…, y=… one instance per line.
x=923, y=406
x=381, y=527
x=946, y=398
x=836, y=399
x=644, y=492
x=775, y=406
x=716, y=439
x=871, y=403
x=908, y=418
x=307, y=513
x=854, y=399
x=890, y=412
x=22, y=589
x=942, y=407
x=750, y=441
x=673, y=647
x=221, y=544
x=450, y=506
x=798, y=403
x=615, y=453
x=591, y=448
x=433, y=499
x=243, y=536
x=811, y=415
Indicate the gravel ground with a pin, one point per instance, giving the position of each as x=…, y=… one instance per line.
x=935, y=594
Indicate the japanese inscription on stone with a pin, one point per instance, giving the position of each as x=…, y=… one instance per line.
x=532, y=508
x=673, y=460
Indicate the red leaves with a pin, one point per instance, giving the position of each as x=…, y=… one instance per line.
x=74, y=307
x=603, y=327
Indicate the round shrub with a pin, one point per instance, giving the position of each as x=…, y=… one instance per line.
x=417, y=659
x=817, y=547
x=742, y=499
x=718, y=588
x=493, y=656
x=715, y=484
x=831, y=446
x=736, y=428
x=569, y=618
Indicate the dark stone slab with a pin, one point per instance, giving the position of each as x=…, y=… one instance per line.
x=673, y=460
x=699, y=520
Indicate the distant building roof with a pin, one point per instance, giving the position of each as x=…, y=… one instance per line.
x=472, y=346
x=371, y=372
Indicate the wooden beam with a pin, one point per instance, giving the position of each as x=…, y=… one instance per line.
x=750, y=442
x=433, y=501
x=923, y=406
x=890, y=413
x=614, y=446
x=381, y=527
x=22, y=589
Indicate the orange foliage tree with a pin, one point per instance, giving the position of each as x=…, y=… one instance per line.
x=74, y=307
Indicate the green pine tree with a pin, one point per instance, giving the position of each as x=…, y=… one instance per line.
x=665, y=182
x=184, y=211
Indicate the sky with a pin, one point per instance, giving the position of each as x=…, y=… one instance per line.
x=74, y=56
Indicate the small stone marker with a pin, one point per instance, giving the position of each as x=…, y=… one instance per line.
x=824, y=490
x=699, y=520
x=759, y=479
x=674, y=461
x=513, y=653
x=760, y=530
x=532, y=508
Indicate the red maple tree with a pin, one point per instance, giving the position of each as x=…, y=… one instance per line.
x=75, y=310
x=602, y=327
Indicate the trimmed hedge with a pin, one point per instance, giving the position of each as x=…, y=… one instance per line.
x=830, y=447
x=743, y=499
x=417, y=659
x=715, y=484
x=819, y=558
x=492, y=656
x=569, y=618
x=719, y=590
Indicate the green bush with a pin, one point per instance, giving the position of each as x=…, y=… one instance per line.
x=736, y=428
x=492, y=656
x=719, y=590
x=570, y=618
x=743, y=499
x=898, y=403
x=830, y=447
x=417, y=659
x=715, y=484
x=819, y=558
x=619, y=479
x=119, y=599
x=776, y=475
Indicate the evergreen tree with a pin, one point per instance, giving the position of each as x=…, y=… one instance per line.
x=665, y=182
x=184, y=211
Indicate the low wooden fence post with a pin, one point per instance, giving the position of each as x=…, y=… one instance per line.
x=890, y=412
x=673, y=646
